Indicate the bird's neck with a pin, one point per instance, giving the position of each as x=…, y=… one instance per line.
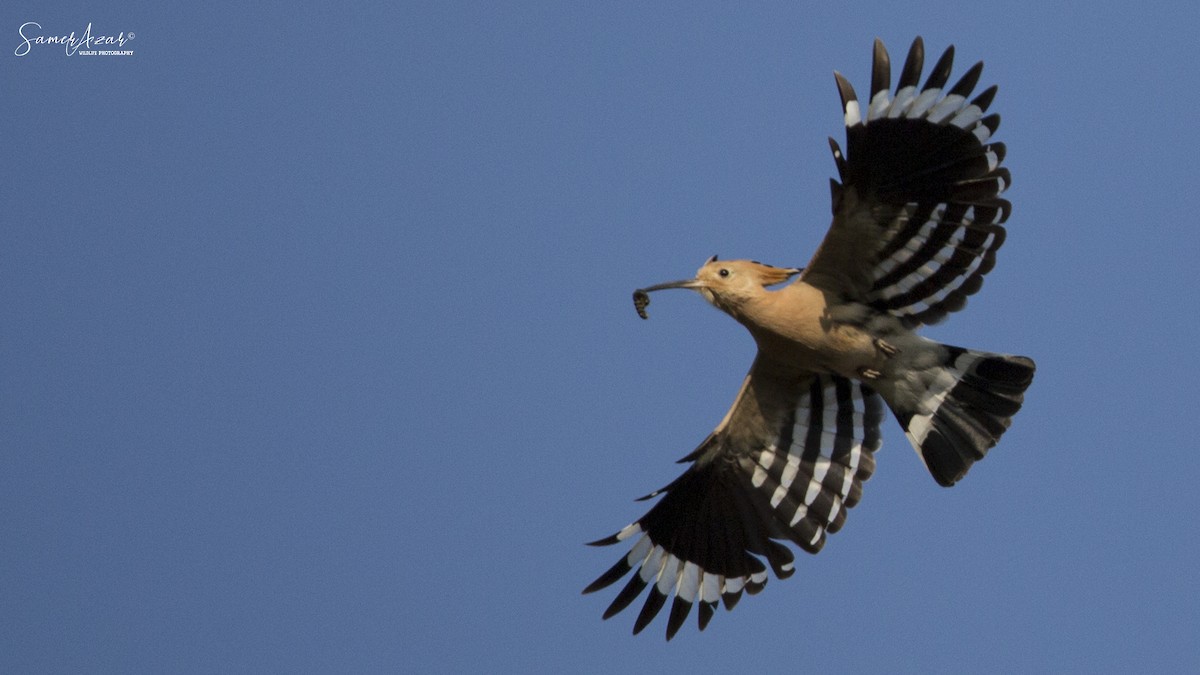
x=750, y=308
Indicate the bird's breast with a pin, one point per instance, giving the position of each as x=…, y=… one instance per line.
x=799, y=326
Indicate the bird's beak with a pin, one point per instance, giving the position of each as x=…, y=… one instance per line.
x=641, y=298
x=683, y=283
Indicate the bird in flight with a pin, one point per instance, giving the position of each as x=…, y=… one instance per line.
x=917, y=218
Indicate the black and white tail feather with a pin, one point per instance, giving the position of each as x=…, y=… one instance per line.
x=962, y=406
x=917, y=223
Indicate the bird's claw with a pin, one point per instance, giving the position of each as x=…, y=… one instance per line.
x=886, y=348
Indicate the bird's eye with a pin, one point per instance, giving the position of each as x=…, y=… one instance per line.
x=724, y=272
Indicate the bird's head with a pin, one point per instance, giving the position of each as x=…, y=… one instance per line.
x=727, y=284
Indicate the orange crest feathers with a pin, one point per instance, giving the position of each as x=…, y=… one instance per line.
x=771, y=275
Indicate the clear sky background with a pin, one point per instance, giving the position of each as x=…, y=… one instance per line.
x=317, y=351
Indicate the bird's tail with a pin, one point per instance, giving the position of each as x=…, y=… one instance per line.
x=955, y=410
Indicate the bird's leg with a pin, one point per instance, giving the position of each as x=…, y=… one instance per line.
x=887, y=349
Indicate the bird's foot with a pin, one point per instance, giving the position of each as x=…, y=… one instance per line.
x=886, y=348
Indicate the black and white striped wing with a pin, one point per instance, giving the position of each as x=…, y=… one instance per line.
x=786, y=465
x=918, y=212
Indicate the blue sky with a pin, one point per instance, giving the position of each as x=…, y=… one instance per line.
x=317, y=352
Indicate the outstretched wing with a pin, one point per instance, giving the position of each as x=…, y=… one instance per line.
x=785, y=464
x=918, y=211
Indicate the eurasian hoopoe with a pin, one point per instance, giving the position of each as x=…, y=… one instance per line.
x=916, y=225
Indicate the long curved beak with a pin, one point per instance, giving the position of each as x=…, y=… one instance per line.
x=682, y=283
x=641, y=299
